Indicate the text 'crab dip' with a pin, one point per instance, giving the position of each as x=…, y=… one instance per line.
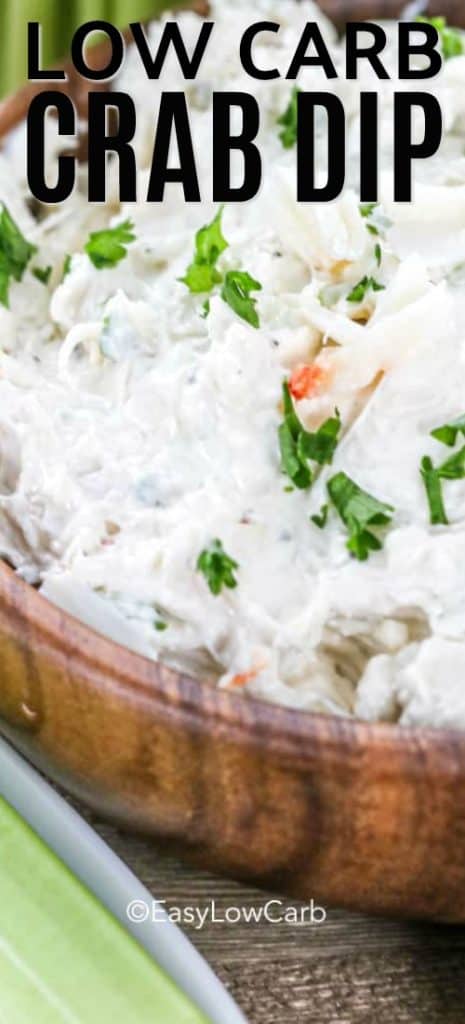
x=241, y=450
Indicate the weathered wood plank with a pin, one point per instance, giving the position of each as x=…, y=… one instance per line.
x=350, y=970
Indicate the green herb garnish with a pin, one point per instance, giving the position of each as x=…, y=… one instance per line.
x=288, y=121
x=15, y=253
x=366, y=209
x=298, y=445
x=217, y=567
x=360, y=290
x=237, y=286
x=378, y=254
x=321, y=518
x=448, y=433
x=322, y=444
x=205, y=309
x=451, y=40
x=432, y=482
x=67, y=265
x=358, y=510
x=106, y=248
x=454, y=467
x=160, y=626
x=42, y=274
x=202, y=275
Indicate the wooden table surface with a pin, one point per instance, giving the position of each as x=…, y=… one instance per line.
x=349, y=970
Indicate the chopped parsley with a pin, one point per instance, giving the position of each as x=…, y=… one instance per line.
x=205, y=309
x=298, y=446
x=67, y=265
x=202, y=275
x=321, y=518
x=288, y=121
x=321, y=445
x=378, y=254
x=106, y=248
x=452, y=469
x=15, y=253
x=358, y=510
x=451, y=40
x=432, y=482
x=366, y=209
x=217, y=567
x=361, y=289
x=448, y=433
x=42, y=274
x=375, y=221
x=237, y=286
x=160, y=626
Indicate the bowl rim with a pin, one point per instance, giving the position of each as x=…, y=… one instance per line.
x=283, y=730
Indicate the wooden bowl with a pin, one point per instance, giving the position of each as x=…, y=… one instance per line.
x=362, y=816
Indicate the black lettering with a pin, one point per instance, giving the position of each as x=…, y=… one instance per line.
x=171, y=36
x=369, y=147
x=355, y=52
x=36, y=147
x=321, y=59
x=116, y=54
x=102, y=142
x=426, y=48
x=173, y=114
x=224, y=143
x=34, y=70
x=307, y=192
x=247, y=41
x=405, y=151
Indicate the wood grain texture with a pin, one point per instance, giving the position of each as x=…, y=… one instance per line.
x=352, y=970
x=341, y=11
x=361, y=816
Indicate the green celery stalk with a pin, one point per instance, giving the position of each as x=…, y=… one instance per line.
x=59, y=20
x=63, y=958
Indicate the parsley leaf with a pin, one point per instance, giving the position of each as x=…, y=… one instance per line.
x=291, y=463
x=451, y=40
x=42, y=274
x=201, y=274
x=360, y=290
x=358, y=510
x=67, y=265
x=237, y=286
x=289, y=433
x=378, y=254
x=321, y=518
x=288, y=121
x=321, y=445
x=15, y=253
x=160, y=625
x=432, y=482
x=297, y=445
x=217, y=567
x=454, y=467
x=106, y=248
x=366, y=209
x=448, y=433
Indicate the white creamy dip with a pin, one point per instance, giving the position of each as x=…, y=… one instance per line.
x=134, y=431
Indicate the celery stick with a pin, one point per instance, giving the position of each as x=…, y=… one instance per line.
x=63, y=958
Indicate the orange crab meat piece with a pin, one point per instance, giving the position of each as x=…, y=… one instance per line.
x=305, y=381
